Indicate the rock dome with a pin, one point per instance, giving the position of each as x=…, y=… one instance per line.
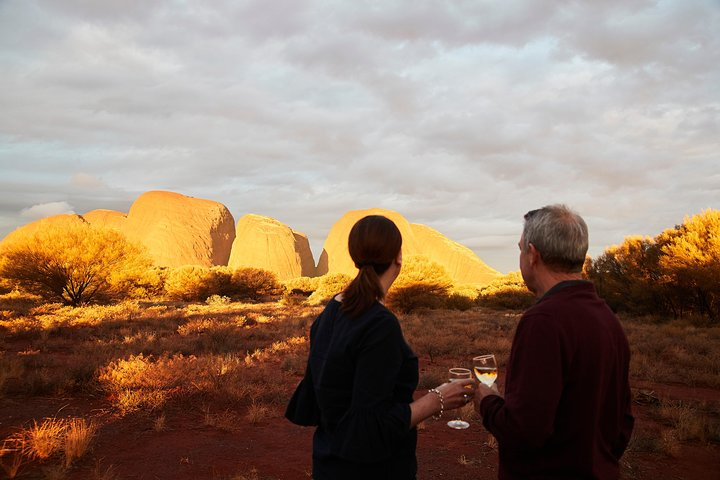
x=29, y=229
x=181, y=230
x=106, y=219
x=263, y=242
x=460, y=262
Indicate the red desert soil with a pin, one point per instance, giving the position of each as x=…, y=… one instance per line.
x=130, y=448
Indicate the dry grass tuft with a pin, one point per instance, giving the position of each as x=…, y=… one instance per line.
x=108, y=473
x=45, y=439
x=257, y=412
x=225, y=420
x=11, y=456
x=78, y=435
x=159, y=423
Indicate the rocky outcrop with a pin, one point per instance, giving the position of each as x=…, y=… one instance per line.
x=106, y=219
x=459, y=261
x=54, y=221
x=180, y=230
x=335, y=257
x=263, y=242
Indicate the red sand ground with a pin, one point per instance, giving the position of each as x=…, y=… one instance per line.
x=129, y=448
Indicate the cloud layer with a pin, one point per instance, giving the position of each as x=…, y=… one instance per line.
x=460, y=114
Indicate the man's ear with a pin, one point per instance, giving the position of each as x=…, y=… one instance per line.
x=534, y=254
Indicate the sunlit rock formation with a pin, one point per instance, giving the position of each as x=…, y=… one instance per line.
x=459, y=261
x=263, y=242
x=56, y=221
x=180, y=230
x=106, y=219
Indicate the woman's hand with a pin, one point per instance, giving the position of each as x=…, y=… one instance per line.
x=457, y=393
x=454, y=394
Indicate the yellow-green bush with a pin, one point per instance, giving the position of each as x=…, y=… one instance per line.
x=508, y=291
x=422, y=284
x=329, y=285
x=676, y=272
x=256, y=284
x=147, y=284
x=302, y=285
x=74, y=264
x=191, y=283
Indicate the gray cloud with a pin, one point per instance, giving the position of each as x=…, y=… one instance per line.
x=43, y=210
x=461, y=115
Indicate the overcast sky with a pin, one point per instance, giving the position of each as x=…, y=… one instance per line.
x=458, y=114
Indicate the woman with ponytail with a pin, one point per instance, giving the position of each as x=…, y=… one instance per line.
x=361, y=374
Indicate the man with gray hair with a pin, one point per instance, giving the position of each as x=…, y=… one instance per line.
x=566, y=409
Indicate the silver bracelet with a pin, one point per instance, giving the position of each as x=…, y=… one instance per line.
x=442, y=403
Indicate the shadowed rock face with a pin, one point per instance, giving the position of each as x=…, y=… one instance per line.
x=180, y=230
x=263, y=242
x=459, y=261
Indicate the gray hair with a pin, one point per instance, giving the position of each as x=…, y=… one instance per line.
x=560, y=236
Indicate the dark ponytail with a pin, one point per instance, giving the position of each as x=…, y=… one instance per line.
x=374, y=243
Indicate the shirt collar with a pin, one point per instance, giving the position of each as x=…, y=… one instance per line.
x=559, y=286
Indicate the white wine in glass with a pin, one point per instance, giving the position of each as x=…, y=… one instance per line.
x=455, y=375
x=485, y=368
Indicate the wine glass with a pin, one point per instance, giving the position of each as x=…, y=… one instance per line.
x=485, y=368
x=457, y=374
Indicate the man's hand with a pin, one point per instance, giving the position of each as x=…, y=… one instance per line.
x=483, y=391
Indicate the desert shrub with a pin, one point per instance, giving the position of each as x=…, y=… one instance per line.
x=414, y=297
x=222, y=282
x=422, y=283
x=302, y=285
x=329, y=285
x=297, y=290
x=508, y=291
x=192, y=283
x=458, y=301
x=74, y=264
x=6, y=286
x=676, y=272
x=627, y=277
x=148, y=284
x=255, y=284
x=218, y=300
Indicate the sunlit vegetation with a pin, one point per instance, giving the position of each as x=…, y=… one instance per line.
x=677, y=273
x=65, y=439
x=422, y=284
x=508, y=291
x=194, y=283
x=74, y=264
x=327, y=287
